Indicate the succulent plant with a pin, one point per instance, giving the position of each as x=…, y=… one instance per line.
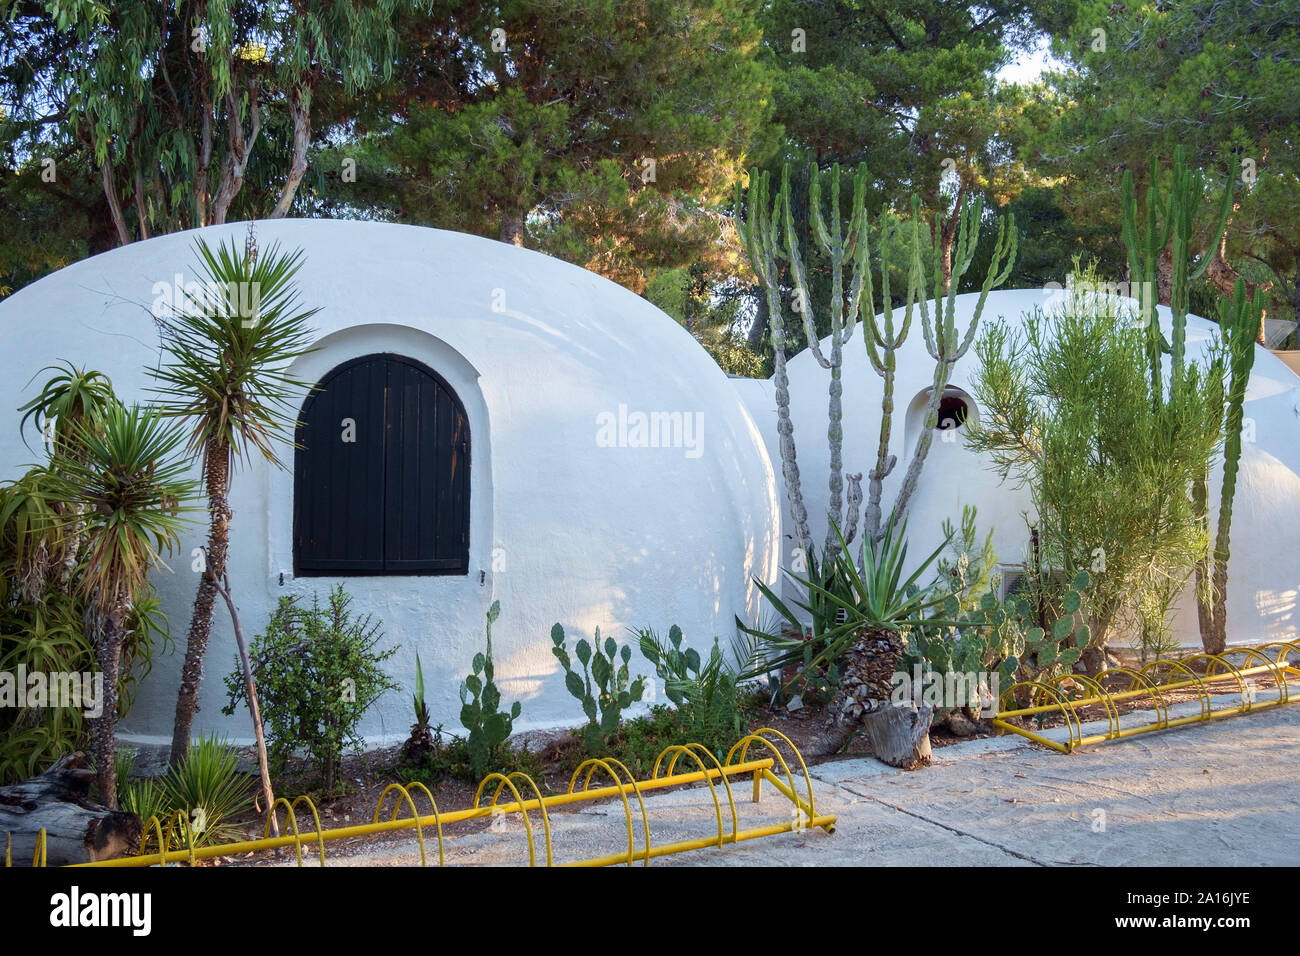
x=604, y=686
x=488, y=726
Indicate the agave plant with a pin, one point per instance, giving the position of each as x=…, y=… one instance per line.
x=871, y=596
x=419, y=744
x=131, y=489
x=226, y=376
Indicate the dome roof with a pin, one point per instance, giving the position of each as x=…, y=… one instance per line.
x=617, y=480
x=1264, y=593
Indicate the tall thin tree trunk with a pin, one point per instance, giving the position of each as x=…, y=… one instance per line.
x=217, y=479
x=948, y=236
x=114, y=204
x=300, y=111
x=758, y=328
x=254, y=709
x=238, y=151
x=108, y=650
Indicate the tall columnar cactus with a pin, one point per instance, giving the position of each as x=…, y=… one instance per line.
x=941, y=341
x=760, y=231
x=844, y=246
x=839, y=246
x=1168, y=222
x=769, y=236
x=1239, y=319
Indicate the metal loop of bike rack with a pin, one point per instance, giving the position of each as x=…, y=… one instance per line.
x=1152, y=684
x=525, y=796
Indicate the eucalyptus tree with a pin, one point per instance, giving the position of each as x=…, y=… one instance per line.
x=170, y=103
x=225, y=374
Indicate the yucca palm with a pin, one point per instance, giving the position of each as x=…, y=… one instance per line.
x=69, y=399
x=871, y=595
x=130, y=487
x=226, y=375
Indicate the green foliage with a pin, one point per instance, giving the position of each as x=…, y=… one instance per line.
x=489, y=727
x=420, y=742
x=703, y=691
x=317, y=672
x=1069, y=414
x=450, y=758
x=207, y=787
x=74, y=532
x=184, y=112
x=613, y=692
x=540, y=139
x=224, y=373
x=1161, y=80
x=971, y=571
x=879, y=598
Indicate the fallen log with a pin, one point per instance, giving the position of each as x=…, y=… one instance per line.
x=76, y=830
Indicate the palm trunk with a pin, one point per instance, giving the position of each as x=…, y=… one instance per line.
x=217, y=479
x=108, y=650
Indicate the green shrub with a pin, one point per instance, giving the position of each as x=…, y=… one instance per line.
x=614, y=690
x=317, y=672
x=449, y=758
x=704, y=692
x=480, y=714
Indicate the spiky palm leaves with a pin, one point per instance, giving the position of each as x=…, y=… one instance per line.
x=132, y=494
x=69, y=399
x=226, y=375
x=878, y=603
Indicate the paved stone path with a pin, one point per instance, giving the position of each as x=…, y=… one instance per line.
x=1224, y=793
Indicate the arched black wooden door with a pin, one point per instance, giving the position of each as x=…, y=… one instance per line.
x=381, y=472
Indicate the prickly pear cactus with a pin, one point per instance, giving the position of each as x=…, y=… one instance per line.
x=604, y=686
x=488, y=726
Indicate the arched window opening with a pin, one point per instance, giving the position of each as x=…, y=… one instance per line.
x=381, y=472
x=953, y=411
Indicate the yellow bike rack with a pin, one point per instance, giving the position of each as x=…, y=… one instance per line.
x=717, y=775
x=1207, y=675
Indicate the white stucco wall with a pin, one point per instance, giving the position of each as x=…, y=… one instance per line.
x=562, y=528
x=1264, y=569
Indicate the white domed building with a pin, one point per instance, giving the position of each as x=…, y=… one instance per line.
x=522, y=431
x=1264, y=568
x=488, y=423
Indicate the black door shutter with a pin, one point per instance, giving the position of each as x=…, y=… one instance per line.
x=395, y=498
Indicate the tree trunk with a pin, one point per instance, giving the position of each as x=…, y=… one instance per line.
x=250, y=686
x=300, y=111
x=758, y=328
x=512, y=226
x=948, y=236
x=114, y=204
x=900, y=734
x=108, y=651
x=238, y=151
x=76, y=830
x=1225, y=277
x=217, y=477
